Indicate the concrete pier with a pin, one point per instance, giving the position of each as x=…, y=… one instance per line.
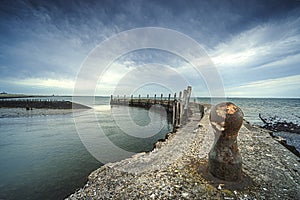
x=178, y=168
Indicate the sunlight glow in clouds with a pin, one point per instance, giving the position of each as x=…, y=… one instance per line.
x=43, y=43
x=262, y=44
x=43, y=83
x=272, y=88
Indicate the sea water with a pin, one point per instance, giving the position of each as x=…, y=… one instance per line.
x=42, y=156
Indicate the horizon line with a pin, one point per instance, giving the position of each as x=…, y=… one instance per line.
x=70, y=95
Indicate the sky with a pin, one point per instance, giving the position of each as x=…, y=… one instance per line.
x=253, y=45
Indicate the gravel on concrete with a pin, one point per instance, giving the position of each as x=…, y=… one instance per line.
x=177, y=169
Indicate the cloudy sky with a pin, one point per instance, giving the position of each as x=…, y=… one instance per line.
x=254, y=45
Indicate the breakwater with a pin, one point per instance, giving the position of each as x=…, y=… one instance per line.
x=29, y=104
x=176, y=107
x=178, y=168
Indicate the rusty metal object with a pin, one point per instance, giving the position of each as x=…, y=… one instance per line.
x=225, y=161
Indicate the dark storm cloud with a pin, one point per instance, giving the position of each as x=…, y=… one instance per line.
x=50, y=39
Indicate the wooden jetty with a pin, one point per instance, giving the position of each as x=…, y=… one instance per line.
x=175, y=106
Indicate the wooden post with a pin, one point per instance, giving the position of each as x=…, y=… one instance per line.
x=131, y=101
x=185, y=99
x=179, y=105
x=178, y=113
x=139, y=98
x=175, y=107
x=188, y=95
x=183, y=108
x=155, y=99
x=161, y=99
x=174, y=116
x=148, y=100
x=169, y=101
x=189, y=91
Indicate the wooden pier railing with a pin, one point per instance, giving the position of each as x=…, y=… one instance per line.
x=175, y=106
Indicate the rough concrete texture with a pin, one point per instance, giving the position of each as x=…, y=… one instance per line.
x=177, y=169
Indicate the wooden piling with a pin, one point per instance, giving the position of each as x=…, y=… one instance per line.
x=177, y=113
x=189, y=92
x=182, y=108
x=174, y=117
x=177, y=106
x=179, y=109
x=188, y=95
x=148, y=100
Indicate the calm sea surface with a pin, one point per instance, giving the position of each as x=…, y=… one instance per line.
x=42, y=156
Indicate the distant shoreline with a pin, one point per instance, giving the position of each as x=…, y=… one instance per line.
x=49, y=104
x=10, y=96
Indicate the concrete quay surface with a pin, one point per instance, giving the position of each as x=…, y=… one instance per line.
x=177, y=168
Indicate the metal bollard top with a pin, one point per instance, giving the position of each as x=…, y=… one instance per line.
x=226, y=118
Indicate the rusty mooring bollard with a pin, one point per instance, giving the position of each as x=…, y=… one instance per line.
x=225, y=161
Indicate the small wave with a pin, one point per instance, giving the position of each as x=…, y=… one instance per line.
x=102, y=107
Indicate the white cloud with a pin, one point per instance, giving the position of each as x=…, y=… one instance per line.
x=287, y=61
x=259, y=45
x=280, y=87
x=52, y=43
x=262, y=61
x=42, y=83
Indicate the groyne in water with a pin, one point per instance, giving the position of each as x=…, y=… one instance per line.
x=276, y=124
x=176, y=107
x=29, y=104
